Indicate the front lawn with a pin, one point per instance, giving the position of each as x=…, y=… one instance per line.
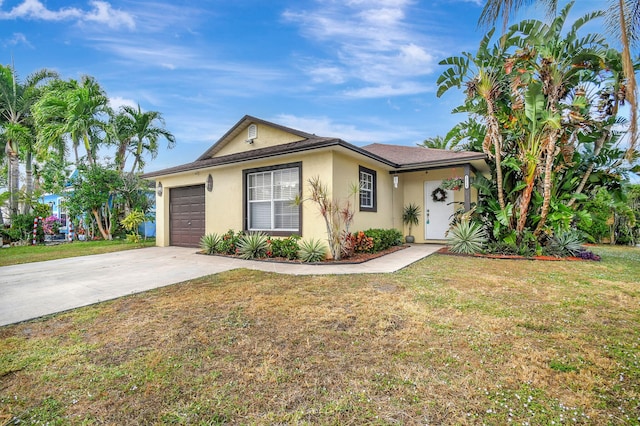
x=39, y=253
x=448, y=340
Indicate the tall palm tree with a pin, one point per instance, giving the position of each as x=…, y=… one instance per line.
x=623, y=18
x=485, y=82
x=440, y=142
x=16, y=99
x=138, y=134
x=74, y=110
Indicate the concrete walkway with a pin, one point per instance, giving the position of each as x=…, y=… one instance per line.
x=35, y=289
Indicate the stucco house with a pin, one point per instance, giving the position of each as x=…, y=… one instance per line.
x=249, y=177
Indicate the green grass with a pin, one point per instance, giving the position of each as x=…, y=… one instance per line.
x=448, y=340
x=39, y=253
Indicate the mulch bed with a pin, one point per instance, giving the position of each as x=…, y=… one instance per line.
x=445, y=250
x=355, y=259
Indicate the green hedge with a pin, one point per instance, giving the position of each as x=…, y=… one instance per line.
x=384, y=238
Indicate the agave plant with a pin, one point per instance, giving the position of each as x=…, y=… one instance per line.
x=467, y=237
x=253, y=245
x=312, y=251
x=568, y=243
x=209, y=243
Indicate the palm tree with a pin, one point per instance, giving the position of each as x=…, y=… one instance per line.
x=485, y=82
x=439, y=142
x=623, y=19
x=138, y=132
x=74, y=110
x=16, y=99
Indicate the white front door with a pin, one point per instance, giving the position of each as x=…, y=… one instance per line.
x=437, y=214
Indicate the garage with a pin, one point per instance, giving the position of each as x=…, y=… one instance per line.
x=186, y=215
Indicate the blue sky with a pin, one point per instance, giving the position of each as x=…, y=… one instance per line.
x=361, y=70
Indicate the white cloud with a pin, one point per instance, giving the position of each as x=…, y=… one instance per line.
x=383, y=91
x=101, y=12
x=377, y=131
x=18, y=38
x=116, y=102
x=367, y=41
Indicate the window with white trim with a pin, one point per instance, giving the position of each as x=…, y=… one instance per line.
x=270, y=197
x=367, y=189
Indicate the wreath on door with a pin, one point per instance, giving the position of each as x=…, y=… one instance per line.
x=439, y=195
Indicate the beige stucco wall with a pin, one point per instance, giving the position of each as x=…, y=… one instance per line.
x=267, y=136
x=346, y=174
x=335, y=167
x=224, y=204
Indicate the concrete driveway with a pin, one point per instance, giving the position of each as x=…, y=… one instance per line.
x=41, y=288
x=35, y=289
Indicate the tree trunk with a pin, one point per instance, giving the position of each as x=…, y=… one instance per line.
x=524, y=204
x=87, y=146
x=547, y=183
x=14, y=178
x=629, y=73
x=28, y=170
x=96, y=215
x=596, y=151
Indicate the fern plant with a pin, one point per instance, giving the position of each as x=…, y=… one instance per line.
x=253, y=245
x=209, y=243
x=312, y=251
x=467, y=237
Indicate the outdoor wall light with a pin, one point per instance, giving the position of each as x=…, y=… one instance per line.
x=395, y=181
x=209, y=183
x=466, y=181
x=159, y=190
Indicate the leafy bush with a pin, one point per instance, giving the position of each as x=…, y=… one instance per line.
x=284, y=247
x=209, y=243
x=312, y=251
x=229, y=242
x=22, y=228
x=356, y=243
x=252, y=245
x=384, y=238
x=467, y=237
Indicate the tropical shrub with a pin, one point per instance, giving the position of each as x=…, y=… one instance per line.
x=384, y=238
x=229, y=242
x=51, y=225
x=467, y=237
x=131, y=223
x=253, y=245
x=284, y=247
x=337, y=214
x=356, y=243
x=209, y=243
x=22, y=228
x=562, y=244
x=312, y=251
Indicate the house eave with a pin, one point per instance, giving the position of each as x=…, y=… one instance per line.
x=287, y=149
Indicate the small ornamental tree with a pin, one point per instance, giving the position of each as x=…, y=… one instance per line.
x=338, y=215
x=93, y=192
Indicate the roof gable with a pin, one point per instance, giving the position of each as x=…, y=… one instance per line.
x=274, y=140
x=237, y=140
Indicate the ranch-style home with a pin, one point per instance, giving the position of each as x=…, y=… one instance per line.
x=249, y=178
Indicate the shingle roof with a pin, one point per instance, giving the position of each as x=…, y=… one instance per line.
x=410, y=156
x=400, y=158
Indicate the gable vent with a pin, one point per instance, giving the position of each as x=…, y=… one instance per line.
x=252, y=131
